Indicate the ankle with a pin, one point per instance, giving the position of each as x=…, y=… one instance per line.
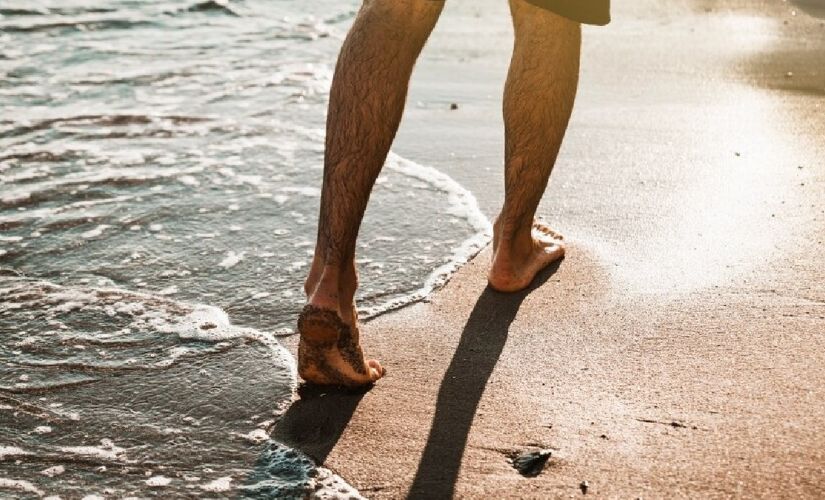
x=322, y=287
x=333, y=289
x=313, y=277
x=513, y=238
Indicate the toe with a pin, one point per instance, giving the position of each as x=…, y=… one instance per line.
x=554, y=249
x=545, y=232
x=376, y=371
x=542, y=226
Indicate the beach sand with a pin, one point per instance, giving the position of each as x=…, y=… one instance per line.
x=678, y=349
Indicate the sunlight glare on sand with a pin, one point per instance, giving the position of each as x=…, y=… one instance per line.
x=722, y=216
x=750, y=34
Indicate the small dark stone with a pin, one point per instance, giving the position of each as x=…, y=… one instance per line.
x=453, y=106
x=531, y=464
x=208, y=326
x=584, y=485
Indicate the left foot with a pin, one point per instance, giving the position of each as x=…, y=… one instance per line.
x=517, y=262
x=329, y=352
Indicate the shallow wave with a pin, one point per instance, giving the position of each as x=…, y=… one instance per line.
x=59, y=415
x=148, y=168
x=461, y=203
x=282, y=472
x=57, y=11
x=221, y=6
x=110, y=120
x=82, y=24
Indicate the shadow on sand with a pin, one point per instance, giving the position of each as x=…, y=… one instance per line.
x=814, y=8
x=314, y=423
x=481, y=344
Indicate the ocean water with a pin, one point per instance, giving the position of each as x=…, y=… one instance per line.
x=160, y=168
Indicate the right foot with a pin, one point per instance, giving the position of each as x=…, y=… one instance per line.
x=329, y=352
x=516, y=264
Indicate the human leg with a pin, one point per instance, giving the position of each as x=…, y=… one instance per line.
x=538, y=100
x=366, y=103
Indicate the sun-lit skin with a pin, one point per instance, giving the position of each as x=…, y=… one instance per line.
x=366, y=103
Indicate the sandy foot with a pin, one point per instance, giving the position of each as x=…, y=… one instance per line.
x=514, y=270
x=329, y=352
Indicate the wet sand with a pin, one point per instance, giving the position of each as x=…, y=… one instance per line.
x=678, y=350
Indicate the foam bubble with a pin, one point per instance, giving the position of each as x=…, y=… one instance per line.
x=219, y=485
x=169, y=290
x=232, y=259
x=107, y=450
x=284, y=472
x=20, y=485
x=302, y=190
x=94, y=233
x=256, y=436
x=55, y=470
x=158, y=481
x=11, y=451
x=330, y=486
x=189, y=180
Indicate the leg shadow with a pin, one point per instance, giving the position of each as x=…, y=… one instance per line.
x=814, y=8
x=314, y=423
x=479, y=348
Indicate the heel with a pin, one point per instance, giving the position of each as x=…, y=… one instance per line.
x=319, y=326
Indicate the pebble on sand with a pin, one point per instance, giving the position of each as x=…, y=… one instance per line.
x=532, y=463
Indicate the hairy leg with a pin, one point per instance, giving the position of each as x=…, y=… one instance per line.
x=538, y=99
x=367, y=99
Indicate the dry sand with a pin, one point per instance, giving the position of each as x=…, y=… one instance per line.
x=679, y=349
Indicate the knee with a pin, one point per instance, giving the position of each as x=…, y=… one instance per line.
x=530, y=20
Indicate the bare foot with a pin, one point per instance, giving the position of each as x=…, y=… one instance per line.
x=329, y=352
x=516, y=263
